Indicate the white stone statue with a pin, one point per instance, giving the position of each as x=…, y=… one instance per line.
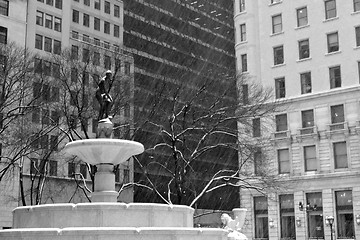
x=233, y=227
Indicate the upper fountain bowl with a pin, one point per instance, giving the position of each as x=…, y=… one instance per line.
x=103, y=150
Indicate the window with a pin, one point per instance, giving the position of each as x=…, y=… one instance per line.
x=281, y=122
x=359, y=70
x=38, y=41
x=3, y=35
x=86, y=38
x=310, y=158
x=97, y=41
x=94, y=125
x=305, y=79
x=116, y=170
x=275, y=1
x=276, y=24
x=85, y=55
x=261, y=217
x=242, y=32
x=333, y=42
x=48, y=44
x=344, y=214
x=244, y=63
x=52, y=168
x=335, y=77
x=315, y=218
x=116, y=31
x=73, y=98
x=50, y=2
x=96, y=23
x=107, y=7
x=106, y=45
x=278, y=55
x=83, y=170
x=71, y=169
x=74, y=75
x=75, y=16
x=57, y=24
x=245, y=94
x=74, y=52
x=283, y=160
x=302, y=17
x=96, y=59
x=58, y=4
x=87, y=2
x=127, y=68
x=4, y=7
x=75, y=34
x=55, y=92
x=97, y=4
x=242, y=5
x=106, y=27
x=287, y=216
x=256, y=127
x=44, y=139
x=330, y=9
x=48, y=21
x=258, y=162
x=304, y=49
x=307, y=118
x=86, y=20
x=39, y=18
x=280, y=88
x=340, y=155
x=107, y=62
x=356, y=5
x=337, y=114
x=126, y=176
x=38, y=69
x=57, y=47
x=357, y=35
x=116, y=11
x=55, y=118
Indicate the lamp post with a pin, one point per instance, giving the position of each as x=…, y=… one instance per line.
x=329, y=220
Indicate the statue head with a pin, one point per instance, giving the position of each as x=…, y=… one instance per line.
x=225, y=218
x=108, y=73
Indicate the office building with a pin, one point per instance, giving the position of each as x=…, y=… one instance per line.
x=308, y=52
x=173, y=40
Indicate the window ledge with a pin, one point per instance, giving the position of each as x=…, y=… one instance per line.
x=278, y=65
x=354, y=13
x=301, y=27
x=356, y=47
x=303, y=59
x=276, y=3
x=276, y=34
x=331, y=19
x=332, y=53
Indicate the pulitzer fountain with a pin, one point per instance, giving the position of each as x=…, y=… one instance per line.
x=105, y=218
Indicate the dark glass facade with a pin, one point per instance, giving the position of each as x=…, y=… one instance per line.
x=174, y=40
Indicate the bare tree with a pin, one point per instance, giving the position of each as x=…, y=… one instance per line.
x=193, y=132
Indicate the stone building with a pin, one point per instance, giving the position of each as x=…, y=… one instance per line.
x=308, y=52
x=47, y=27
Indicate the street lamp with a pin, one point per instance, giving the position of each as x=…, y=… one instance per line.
x=329, y=220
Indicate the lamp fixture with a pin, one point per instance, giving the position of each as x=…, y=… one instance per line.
x=329, y=221
x=271, y=223
x=358, y=219
x=298, y=222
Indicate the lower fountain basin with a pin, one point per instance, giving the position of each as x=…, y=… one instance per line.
x=103, y=215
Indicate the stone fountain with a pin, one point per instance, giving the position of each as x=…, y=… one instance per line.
x=104, y=217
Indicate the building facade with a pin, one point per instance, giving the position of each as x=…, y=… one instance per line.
x=48, y=28
x=308, y=52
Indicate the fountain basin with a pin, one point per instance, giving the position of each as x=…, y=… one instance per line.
x=103, y=150
x=103, y=215
x=107, y=233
